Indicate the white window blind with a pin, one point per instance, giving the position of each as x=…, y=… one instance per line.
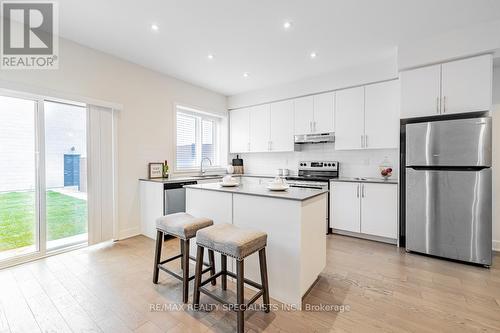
x=101, y=204
x=197, y=138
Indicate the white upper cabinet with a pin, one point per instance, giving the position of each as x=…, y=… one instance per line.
x=379, y=213
x=315, y=114
x=420, y=92
x=260, y=127
x=467, y=85
x=324, y=110
x=452, y=87
x=239, y=122
x=382, y=115
x=281, y=126
x=303, y=115
x=349, y=118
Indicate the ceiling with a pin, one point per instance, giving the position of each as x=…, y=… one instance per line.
x=248, y=35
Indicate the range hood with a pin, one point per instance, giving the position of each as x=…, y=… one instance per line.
x=314, y=138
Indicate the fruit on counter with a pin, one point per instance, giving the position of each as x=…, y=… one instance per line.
x=386, y=173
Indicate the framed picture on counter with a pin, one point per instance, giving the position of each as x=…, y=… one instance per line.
x=155, y=170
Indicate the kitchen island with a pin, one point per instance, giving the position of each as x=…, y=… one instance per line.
x=294, y=221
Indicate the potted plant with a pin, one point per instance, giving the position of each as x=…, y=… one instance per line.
x=165, y=169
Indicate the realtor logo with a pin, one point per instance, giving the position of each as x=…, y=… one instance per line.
x=29, y=35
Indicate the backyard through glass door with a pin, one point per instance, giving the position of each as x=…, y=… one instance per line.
x=43, y=178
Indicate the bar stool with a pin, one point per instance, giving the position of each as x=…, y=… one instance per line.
x=237, y=243
x=184, y=227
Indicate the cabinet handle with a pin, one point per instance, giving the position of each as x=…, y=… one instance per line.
x=444, y=104
x=366, y=141
x=357, y=191
x=314, y=127
x=310, y=126
x=362, y=145
x=437, y=104
x=362, y=190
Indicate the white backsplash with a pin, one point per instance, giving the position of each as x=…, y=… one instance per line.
x=353, y=163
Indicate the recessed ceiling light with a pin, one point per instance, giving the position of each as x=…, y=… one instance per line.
x=246, y=74
x=155, y=27
x=313, y=55
x=287, y=25
x=210, y=56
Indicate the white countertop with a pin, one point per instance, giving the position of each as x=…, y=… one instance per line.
x=293, y=193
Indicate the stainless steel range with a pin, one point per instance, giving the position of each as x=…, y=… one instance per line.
x=316, y=174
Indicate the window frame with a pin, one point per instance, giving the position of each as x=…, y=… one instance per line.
x=217, y=138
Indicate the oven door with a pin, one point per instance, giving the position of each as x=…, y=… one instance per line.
x=317, y=186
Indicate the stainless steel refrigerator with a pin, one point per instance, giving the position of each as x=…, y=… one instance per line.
x=448, y=189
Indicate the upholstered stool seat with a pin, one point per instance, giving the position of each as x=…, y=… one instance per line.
x=238, y=243
x=182, y=225
x=231, y=241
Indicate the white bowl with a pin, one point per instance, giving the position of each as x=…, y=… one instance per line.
x=229, y=184
x=278, y=187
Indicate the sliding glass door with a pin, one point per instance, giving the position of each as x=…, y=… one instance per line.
x=19, y=231
x=65, y=174
x=43, y=176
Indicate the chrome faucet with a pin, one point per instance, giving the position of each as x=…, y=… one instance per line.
x=202, y=172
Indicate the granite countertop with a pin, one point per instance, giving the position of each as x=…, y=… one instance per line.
x=366, y=180
x=175, y=179
x=180, y=179
x=293, y=193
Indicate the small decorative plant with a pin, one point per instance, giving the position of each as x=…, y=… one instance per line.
x=165, y=169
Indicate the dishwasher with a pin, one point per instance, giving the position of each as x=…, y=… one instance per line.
x=174, y=197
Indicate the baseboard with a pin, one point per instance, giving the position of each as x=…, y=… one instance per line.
x=365, y=236
x=130, y=232
x=496, y=245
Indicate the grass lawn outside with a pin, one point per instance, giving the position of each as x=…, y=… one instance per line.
x=66, y=216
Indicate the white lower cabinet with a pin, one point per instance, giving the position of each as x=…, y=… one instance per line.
x=345, y=206
x=366, y=208
x=379, y=210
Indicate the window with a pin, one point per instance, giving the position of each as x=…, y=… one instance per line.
x=45, y=203
x=197, y=139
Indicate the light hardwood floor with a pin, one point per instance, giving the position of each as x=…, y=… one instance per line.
x=108, y=288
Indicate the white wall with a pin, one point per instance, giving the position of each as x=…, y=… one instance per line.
x=348, y=77
x=352, y=163
x=472, y=40
x=145, y=126
x=496, y=85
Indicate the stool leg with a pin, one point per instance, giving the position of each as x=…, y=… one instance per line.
x=240, y=296
x=181, y=244
x=211, y=261
x=263, y=279
x=223, y=267
x=197, y=276
x=159, y=243
x=185, y=269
